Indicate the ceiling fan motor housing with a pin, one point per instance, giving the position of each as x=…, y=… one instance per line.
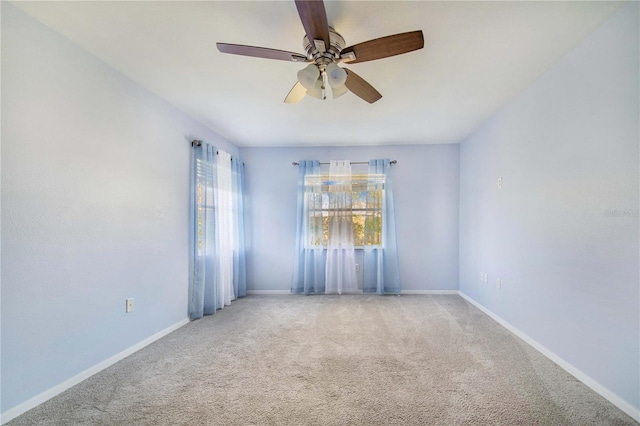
x=336, y=44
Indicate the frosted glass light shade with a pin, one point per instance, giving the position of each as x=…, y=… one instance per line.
x=308, y=76
x=336, y=75
x=316, y=91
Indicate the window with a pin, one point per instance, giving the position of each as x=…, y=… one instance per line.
x=363, y=211
x=204, y=203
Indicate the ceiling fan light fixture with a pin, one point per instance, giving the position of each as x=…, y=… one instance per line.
x=308, y=76
x=316, y=90
x=336, y=75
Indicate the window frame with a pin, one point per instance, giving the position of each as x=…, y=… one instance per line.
x=365, y=184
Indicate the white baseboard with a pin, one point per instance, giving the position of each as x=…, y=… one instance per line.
x=429, y=292
x=249, y=292
x=575, y=372
x=19, y=409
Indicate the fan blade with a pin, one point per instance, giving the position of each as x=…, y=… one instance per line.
x=260, y=52
x=385, y=46
x=339, y=91
x=314, y=20
x=361, y=88
x=296, y=94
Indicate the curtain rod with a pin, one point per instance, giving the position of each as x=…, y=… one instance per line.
x=295, y=163
x=196, y=142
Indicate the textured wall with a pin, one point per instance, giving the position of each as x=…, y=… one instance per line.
x=562, y=234
x=95, y=178
x=425, y=184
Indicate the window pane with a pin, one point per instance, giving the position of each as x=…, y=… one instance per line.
x=364, y=211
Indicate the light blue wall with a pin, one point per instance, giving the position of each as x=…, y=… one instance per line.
x=95, y=197
x=567, y=151
x=425, y=184
x=95, y=202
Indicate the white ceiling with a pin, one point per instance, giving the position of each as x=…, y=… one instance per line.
x=477, y=56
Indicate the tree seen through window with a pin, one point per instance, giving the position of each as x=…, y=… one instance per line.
x=364, y=211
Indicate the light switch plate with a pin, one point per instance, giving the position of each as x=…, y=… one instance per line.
x=129, y=305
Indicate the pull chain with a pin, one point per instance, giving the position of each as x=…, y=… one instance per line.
x=324, y=84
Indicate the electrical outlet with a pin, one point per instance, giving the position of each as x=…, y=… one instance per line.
x=129, y=305
x=498, y=283
x=499, y=183
x=357, y=267
x=482, y=276
x=486, y=277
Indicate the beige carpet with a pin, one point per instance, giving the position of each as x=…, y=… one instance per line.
x=334, y=360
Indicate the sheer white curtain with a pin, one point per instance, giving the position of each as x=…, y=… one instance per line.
x=217, y=258
x=340, y=274
x=224, y=228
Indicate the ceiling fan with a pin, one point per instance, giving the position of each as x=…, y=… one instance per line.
x=325, y=49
